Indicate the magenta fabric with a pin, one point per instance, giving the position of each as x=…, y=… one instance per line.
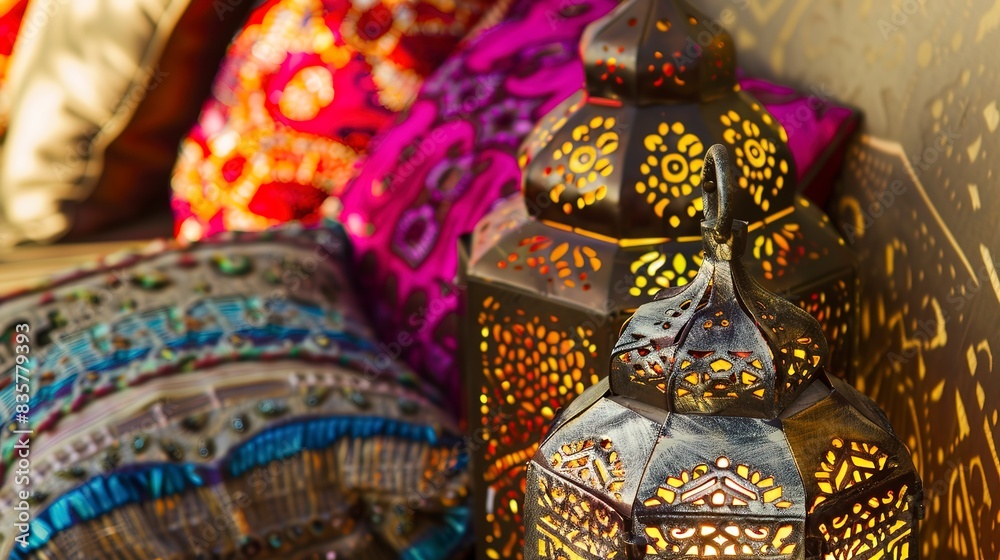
x=444, y=165
x=433, y=175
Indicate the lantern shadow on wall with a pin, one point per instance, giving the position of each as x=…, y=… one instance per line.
x=608, y=219
x=719, y=433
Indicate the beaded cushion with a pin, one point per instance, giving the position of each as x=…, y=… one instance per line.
x=438, y=171
x=223, y=399
x=304, y=87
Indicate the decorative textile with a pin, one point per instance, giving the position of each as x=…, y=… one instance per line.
x=304, y=88
x=454, y=156
x=234, y=385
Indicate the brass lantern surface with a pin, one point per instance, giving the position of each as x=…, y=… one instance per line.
x=720, y=434
x=607, y=219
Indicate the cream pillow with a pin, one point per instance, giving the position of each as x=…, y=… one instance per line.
x=82, y=73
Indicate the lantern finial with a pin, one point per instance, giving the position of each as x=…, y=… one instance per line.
x=716, y=192
x=722, y=344
x=658, y=51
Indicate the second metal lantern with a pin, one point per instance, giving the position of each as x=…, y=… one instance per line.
x=720, y=434
x=608, y=219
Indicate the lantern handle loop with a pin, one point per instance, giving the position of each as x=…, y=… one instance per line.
x=717, y=190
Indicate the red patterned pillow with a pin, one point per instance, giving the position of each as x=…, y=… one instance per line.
x=304, y=88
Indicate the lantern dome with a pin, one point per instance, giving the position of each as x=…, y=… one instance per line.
x=622, y=158
x=720, y=434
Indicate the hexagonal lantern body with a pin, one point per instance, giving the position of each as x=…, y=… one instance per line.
x=719, y=433
x=608, y=219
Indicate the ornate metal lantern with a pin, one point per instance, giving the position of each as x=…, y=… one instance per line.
x=720, y=433
x=607, y=220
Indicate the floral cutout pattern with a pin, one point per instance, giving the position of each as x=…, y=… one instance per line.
x=672, y=171
x=755, y=153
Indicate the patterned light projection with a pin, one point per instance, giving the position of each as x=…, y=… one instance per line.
x=607, y=220
x=918, y=204
x=743, y=447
